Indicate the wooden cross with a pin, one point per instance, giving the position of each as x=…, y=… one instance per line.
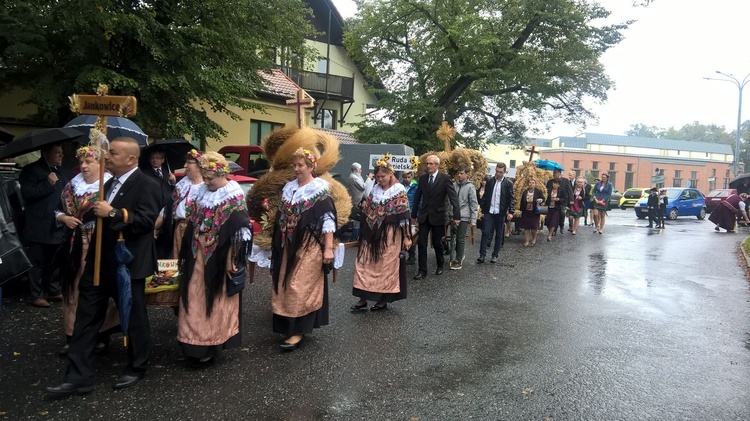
x=301, y=102
x=531, y=152
x=102, y=105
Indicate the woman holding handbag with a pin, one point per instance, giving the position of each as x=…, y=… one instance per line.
x=531, y=199
x=302, y=252
x=602, y=194
x=385, y=232
x=578, y=207
x=213, y=256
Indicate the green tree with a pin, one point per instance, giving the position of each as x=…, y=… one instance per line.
x=485, y=67
x=697, y=132
x=179, y=58
x=643, y=130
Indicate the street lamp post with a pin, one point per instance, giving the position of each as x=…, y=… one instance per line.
x=740, y=85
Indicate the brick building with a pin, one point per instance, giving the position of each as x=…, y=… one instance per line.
x=631, y=161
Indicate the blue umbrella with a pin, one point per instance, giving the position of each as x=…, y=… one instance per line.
x=548, y=165
x=123, y=257
x=116, y=127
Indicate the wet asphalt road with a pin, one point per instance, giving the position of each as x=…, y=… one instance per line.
x=634, y=324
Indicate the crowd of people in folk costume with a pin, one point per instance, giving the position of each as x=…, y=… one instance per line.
x=212, y=240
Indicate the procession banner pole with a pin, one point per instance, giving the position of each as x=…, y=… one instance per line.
x=102, y=105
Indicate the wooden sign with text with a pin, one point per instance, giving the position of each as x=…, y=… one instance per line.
x=107, y=105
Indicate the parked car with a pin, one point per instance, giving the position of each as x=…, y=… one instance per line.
x=246, y=183
x=715, y=197
x=614, y=200
x=249, y=157
x=682, y=202
x=632, y=196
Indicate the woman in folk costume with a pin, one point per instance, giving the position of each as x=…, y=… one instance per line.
x=78, y=198
x=385, y=231
x=216, y=244
x=185, y=191
x=531, y=199
x=302, y=252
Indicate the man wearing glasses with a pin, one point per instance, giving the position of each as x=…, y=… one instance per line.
x=429, y=211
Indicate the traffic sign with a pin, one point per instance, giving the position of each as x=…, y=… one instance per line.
x=657, y=179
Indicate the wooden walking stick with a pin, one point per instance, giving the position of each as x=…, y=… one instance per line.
x=102, y=105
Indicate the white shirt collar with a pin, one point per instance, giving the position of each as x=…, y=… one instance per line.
x=125, y=176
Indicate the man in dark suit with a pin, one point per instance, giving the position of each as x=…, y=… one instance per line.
x=41, y=185
x=131, y=204
x=497, y=206
x=160, y=171
x=433, y=189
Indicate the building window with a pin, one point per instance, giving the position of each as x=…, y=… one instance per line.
x=612, y=177
x=611, y=166
x=322, y=65
x=726, y=183
x=513, y=163
x=578, y=173
x=713, y=172
x=328, y=119
x=677, y=173
x=628, y=180
x=727, y=174
x=576, y=164
x=595, y=165
x=593, y=175
x=694, y=179
x=260, y=129
x=630, y=167
x=677, y=182
x=712, y=184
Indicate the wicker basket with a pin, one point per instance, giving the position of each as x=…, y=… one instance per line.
x=163, y=298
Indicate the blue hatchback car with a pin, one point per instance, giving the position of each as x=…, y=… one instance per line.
x=682, y=202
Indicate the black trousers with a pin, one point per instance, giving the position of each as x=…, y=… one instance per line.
x=438, y=232
x=40, y=276
x=92, y=308
x=652, y=217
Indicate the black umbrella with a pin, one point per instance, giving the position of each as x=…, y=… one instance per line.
x=5, y=136
x=174, y=152
x=35, y=139
x=737, y=181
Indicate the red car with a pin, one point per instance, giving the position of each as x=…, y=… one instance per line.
x=715, y=197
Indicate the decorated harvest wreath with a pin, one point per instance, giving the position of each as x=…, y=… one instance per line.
x=279, y=147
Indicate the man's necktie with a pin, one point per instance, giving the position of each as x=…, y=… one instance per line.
x=158, y=172
x=111, y=188
x=432, y=178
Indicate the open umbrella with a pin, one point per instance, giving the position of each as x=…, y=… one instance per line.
x=35, y=139
x=123, y=257
x=737, y=181
x=545, y=164
x=5, y=136
x=234, y=167
x=116, y=127
x=174, y=152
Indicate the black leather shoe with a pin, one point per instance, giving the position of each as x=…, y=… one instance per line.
x=411, y=261
x=356, y=308
x=439, y=271
x=493, y=259
x=480, y=259
x=67, y=389
x=64, y=350
x=420, y=275
x=127, y=380
x=379, y=307
x=286, y=347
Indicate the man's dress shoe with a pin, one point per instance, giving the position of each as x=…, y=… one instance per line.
x=67, y=389
x=127, y=380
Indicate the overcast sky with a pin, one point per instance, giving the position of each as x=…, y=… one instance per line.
x=658, y=68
